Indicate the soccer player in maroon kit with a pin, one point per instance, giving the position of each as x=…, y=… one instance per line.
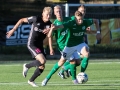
x=40, y=27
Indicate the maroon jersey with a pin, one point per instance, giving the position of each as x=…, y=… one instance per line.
x=36, y=36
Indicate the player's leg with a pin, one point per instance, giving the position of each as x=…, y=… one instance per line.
x=84, y=50
x=53, y=70
x=61, y=72
x=84, y=55
x=39, y=63
x=72, y=67
x=85, y=60
x=26, y=67
x=75, y=56
x=39, y=68
x=58, y=65
x=66, y=68
x=73, y=71
x=68, y=52
x=34, y=63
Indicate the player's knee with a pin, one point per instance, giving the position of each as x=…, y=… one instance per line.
x=73, y=62
x=43, y=61
x=42, y=67
x=41, y=58
x=61, y=62
x=86, y=54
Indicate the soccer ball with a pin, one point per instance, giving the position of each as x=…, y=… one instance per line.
x=82, y=77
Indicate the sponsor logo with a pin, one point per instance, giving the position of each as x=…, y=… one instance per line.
x=78, y=34
x=83, y=28
x=47, y=26
x=65, y=32
x=38, y=24
x=36, y=28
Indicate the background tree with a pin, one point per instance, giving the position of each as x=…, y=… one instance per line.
x=71, y=1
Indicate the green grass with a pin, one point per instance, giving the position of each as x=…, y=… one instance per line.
x=102, y=74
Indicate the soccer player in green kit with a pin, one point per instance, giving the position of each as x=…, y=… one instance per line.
x=75, y=42
x=61, y=36
x=66, y=65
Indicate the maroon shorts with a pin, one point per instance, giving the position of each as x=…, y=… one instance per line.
x=36, y=50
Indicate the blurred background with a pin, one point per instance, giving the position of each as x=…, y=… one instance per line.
x=106, y=11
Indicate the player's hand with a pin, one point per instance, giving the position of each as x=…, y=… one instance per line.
x=45, y=31
x=52, y=52
x=9, y=33
x=52, y=26
x=88, y=29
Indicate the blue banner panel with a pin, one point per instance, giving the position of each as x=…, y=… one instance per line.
x=19, y=37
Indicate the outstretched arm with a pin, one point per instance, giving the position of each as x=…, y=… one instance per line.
x=22, y=20
x=53, y=27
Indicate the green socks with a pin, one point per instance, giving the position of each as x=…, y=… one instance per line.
x=53, y=70
x=84, y=64
x=72, y=68
x=66, y=66
x=73, y=71
x=66, y=63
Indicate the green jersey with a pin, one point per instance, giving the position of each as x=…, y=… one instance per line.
x=76, y=32
x=61, y=35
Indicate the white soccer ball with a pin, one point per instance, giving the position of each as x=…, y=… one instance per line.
x=82, y=77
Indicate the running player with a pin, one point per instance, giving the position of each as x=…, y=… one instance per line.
x=35, y=42
x=75, y=41
x=66, y=66
x=61, y=38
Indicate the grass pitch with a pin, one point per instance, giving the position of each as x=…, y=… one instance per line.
x=102, y=74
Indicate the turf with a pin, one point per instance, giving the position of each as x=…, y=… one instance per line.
x=102, y=74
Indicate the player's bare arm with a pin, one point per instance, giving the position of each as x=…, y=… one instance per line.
x=53, y=27
x=98, y=35
x=45, y=41
x=50, y=32
x=50, y=46
x=23, y=20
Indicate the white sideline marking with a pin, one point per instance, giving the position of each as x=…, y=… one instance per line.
x=59, y=84
x=53, y=64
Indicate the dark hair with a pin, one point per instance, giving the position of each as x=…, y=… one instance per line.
x=82, y=5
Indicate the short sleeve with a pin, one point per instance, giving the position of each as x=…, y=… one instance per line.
x=32, y=19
